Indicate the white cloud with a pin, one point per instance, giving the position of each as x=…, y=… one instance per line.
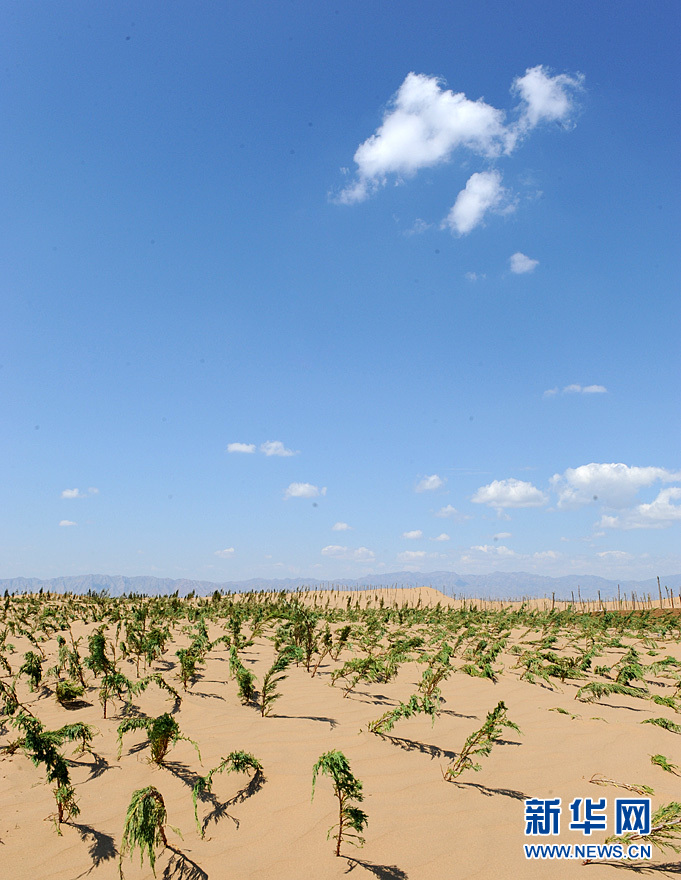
x=661, y=510
x=241, y=447
x=419, y=227
x=576, y=389
x=412, y=555
x=585, y=389
x=225, y=554
x=67, y=522
x=509, y=493
x=483, y=193
x=303, y=490
x=276, y=447
x=494, y=550
x=361, y=554
x=429, y=484
x=521, y=264
x=423, y=125
x=614, y=484
x=500, y=536
x=449, y=512
x=614, y=554
x=414, y=534
x=443, y=537
x=340, y=527
x=73, y=493
x=76, y=493
x=545, y=98
x=475, y=276
x=658, y=514
x=546, y=554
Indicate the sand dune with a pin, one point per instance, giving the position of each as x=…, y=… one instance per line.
x=420, y=827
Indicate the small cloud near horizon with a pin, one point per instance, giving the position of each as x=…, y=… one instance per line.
x=340, y=527
x=360, y=554
x=67, y=522
x=413, y=535
x=412, y=555
x=225, y=554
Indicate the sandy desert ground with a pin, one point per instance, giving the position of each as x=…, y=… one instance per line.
x=420, y=826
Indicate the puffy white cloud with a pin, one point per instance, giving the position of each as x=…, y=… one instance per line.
x=475, y=276
x=73, y=493
x=483, y=193
x=429, y=484
x=614, y=484
x=614, y=554
x=225, y=554
x=413, y=535
x=510, y=493
x=546, y=554
x=442, y=537
x=67, y=522
x=241, y=447
x=546, y=98
x=276, y=447
x=340, y=527
x=422, y=126
x=494, y=550
x=658, y=514
x=577, y=389
x=521, y=264
x=361, y=554
x=662, y=510
x=425, y=123
x=500, y=536
x=303, y=490
x=450, y=512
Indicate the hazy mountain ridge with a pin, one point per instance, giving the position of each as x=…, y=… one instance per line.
x=507, y=585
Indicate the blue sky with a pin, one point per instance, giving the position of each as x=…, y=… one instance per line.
x=291, y=290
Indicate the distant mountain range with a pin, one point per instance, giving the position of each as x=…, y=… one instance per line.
x=497, y=585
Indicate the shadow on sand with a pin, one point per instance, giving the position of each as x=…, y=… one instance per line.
x=490, y=792
x=181, y=867
x=383, y=872
x=330, y=721
x=102, y=847
x=221, y=808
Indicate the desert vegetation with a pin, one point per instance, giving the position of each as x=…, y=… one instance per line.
x=405, y=687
